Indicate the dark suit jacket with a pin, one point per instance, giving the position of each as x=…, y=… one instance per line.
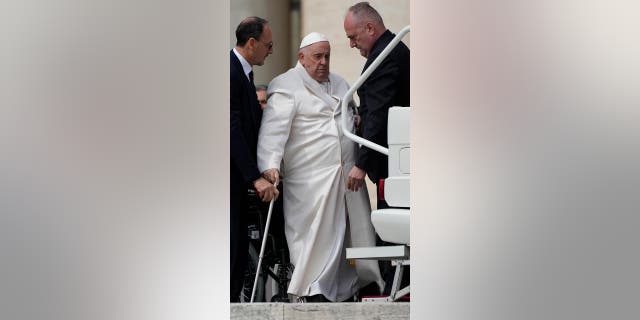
x=245, y=124
x=388, y=86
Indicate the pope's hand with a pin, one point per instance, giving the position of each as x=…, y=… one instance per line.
x=266, y=190
x=273, y=175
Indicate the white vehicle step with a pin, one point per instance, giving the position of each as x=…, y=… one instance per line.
x=379, y=253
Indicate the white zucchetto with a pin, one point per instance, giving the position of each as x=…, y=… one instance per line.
x=312, y=38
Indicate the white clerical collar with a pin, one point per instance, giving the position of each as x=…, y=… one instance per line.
x=246, y=67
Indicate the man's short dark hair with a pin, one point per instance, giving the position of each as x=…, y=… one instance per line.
x=250, y=27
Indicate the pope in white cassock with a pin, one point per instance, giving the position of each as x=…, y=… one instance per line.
x=301, y=131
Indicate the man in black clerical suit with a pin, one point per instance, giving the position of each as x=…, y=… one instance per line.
x=386, y=87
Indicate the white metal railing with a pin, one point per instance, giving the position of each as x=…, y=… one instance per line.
x=349, y=95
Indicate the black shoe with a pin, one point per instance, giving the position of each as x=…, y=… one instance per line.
x=316, y=298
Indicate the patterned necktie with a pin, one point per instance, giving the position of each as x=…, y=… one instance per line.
x=251, y=77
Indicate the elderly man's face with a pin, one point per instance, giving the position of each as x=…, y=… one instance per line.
x=360, y=34
x=315, y=59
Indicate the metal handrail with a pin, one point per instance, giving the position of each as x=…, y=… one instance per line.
x=349, y=95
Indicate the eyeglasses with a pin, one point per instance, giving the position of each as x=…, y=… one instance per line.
x=267, y=45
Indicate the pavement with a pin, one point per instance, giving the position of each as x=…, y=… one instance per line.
x=321, y=311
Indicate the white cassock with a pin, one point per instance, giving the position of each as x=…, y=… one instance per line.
x=301, y=126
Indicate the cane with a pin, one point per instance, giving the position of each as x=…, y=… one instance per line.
x=264, y=242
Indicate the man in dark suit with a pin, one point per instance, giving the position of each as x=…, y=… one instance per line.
x=386, y=87
x=253, y=45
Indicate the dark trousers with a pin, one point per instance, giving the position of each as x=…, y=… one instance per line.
x=239, y=241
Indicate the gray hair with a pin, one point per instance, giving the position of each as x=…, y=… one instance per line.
x=364, y=12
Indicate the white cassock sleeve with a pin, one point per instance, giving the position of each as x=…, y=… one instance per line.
x=274, y=130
